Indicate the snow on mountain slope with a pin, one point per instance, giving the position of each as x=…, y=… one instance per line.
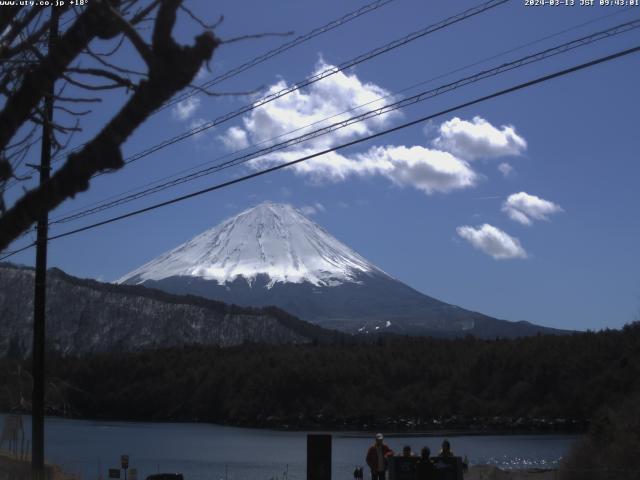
x=273, y=255
x=272, y=239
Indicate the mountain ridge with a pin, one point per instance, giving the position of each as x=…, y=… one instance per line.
x=272, y=254
x=85, y=316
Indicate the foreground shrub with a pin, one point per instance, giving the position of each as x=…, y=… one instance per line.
x=611, y=449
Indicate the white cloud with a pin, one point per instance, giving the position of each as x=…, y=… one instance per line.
x=235, y=138
x=492, y=241
x=312, y=209
x=430, y=170
x=478, y=139
x=427, y=170
x=186, y=108
x=197, y=123
x=331, y=97
x=506, y=169
x=524, y=208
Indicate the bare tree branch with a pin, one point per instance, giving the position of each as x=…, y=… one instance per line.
x=99, y=72
x=171, y=68
x=117, y=68
x=7, y=16
x=78, y=99
x=133, y=36
x=27, y=42
x=114, y=49
x=142, y=14
x=16, y=27
x=65, y=145
x=90, y=23
x=200, y=22
x=123, y=83
x=75, y=113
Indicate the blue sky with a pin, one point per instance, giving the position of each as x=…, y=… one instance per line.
x=524, y=207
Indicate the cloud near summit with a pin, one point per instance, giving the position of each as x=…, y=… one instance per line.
x=524, y=208
x=492, y=241
x=478, y=139
x=436, y=169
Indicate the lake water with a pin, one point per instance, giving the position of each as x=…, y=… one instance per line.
x=213, y=452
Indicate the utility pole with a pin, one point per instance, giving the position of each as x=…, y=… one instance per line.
x=37, y=409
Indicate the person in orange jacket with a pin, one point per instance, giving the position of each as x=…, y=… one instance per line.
x=378, y=458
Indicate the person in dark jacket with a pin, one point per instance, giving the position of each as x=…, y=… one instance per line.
x=425, y=470
x=378, y=458
x=406, y=451
x=446, y=451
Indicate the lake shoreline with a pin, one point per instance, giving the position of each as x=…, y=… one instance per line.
x=489, y=472
x=393, y=428
x=202, y=451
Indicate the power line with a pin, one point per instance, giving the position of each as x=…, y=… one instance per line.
x=15, y=252
x=468, y=13
x=101, y=205
x=310, y=80
x=352, y=109
x=471, y=12
x=266, y=56
x=276, y=51
x=422, y=96
x=219, y=186
x=393, y=94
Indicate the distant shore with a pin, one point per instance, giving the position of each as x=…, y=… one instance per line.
x=390, y=426
x=485, y=472
x=437, y=427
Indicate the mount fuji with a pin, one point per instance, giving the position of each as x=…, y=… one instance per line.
x=272, y=254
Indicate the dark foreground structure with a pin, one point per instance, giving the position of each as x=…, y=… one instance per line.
x=408, y=468
x=319, y=450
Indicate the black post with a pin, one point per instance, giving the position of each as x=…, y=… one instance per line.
x=318, y=457
x=37, y=412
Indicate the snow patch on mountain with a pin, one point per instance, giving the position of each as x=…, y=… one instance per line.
x=270, y=239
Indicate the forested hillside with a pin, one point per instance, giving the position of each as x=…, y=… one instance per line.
x=88, y=317
x=543, y=382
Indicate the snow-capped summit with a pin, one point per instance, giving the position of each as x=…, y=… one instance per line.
x=271, y=239
x=272, y=254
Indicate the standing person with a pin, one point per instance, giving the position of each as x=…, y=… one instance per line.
x=425, y=470
x=377, y=458
x=445, y=451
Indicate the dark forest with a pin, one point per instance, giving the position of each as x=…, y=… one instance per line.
x=537, y=383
